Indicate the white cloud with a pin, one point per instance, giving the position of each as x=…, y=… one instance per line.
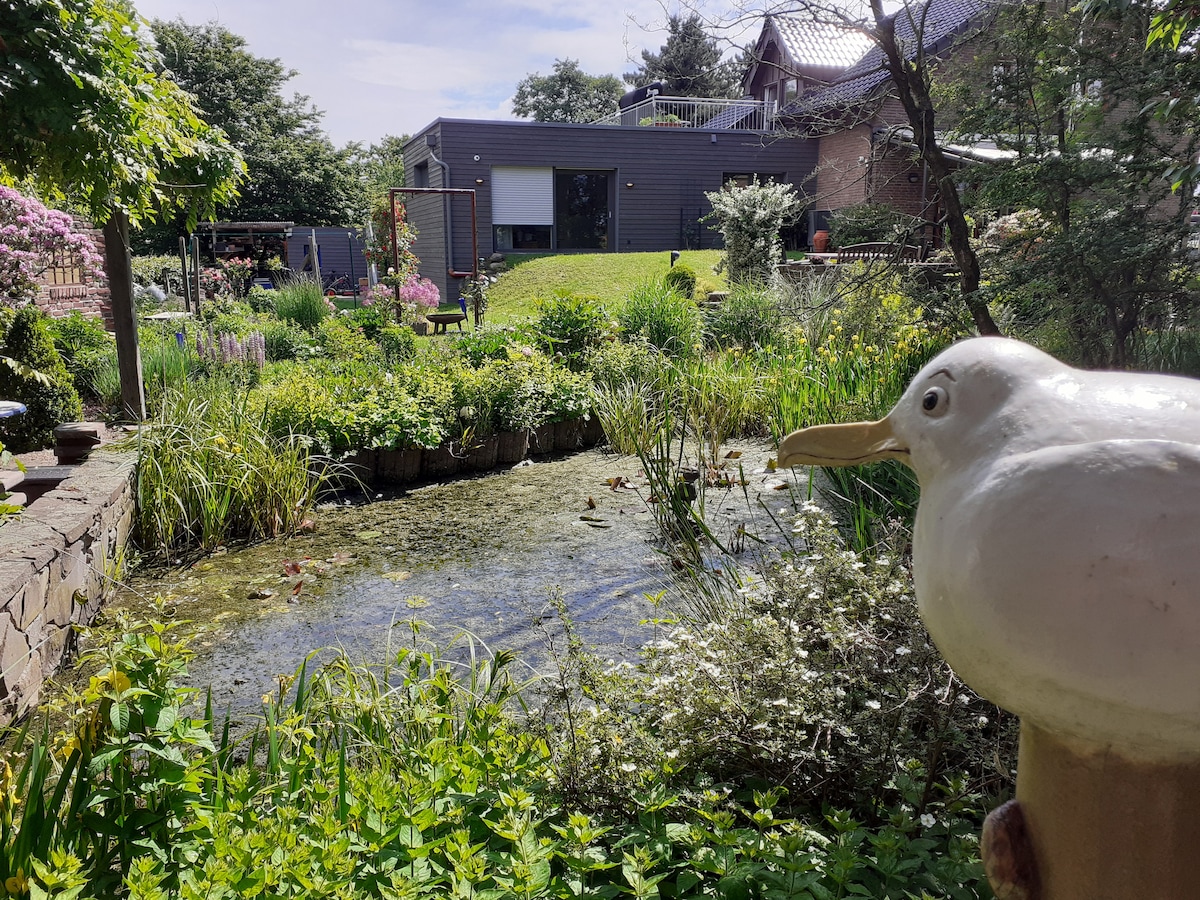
x=377, y=67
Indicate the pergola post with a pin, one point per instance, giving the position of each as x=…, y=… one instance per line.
x=119, y=267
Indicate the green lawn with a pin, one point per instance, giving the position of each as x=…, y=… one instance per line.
x=608, y=276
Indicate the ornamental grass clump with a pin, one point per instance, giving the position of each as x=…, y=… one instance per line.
x=209, y=472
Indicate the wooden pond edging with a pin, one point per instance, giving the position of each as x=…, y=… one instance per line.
x=505, y=448
x=57, y=562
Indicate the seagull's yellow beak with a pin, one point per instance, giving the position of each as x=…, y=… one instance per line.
x=842, y=445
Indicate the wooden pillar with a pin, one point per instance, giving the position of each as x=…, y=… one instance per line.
x=120, y=285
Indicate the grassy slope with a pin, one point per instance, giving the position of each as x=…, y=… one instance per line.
x=609, y=276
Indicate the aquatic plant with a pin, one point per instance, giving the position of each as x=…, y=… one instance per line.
x=209, y=471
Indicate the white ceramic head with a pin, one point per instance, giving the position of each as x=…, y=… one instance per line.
x=1057, y=544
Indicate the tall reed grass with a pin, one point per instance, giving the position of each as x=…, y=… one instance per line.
x=302, y=301
x=210, y=472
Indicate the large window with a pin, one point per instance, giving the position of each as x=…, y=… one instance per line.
x=550, y=209
x=522, y=208
x=581, y=209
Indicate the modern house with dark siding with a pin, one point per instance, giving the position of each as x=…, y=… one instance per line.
x=563, y=187
x=818, y=113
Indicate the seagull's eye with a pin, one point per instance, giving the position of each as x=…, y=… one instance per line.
x=935, y=402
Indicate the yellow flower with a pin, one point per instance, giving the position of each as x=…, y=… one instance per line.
x=268, y=699
x=69, y=747
x=119, y=681
x=17, y=884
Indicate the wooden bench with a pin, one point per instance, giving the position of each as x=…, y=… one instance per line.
x=881, y=251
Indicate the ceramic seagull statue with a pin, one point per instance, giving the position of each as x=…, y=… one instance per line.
x=1056, y=557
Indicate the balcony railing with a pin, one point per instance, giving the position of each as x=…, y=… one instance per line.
x=695, y=112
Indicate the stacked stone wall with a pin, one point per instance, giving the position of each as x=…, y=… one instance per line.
x=56, y=564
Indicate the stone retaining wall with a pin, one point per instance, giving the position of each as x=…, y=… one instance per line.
x=55, y=564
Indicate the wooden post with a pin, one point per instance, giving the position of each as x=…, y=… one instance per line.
x=120, y=285
x=1096, y=824
x=187, y=280
x=196, y=272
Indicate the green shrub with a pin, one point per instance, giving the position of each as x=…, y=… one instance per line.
x=487, y=342
x=285, y=340
x=618, y=362
x=750, y=317
x=750, y=219
x=662, y=318
x=869, y=222
x=372, y=319
x=681, y=279
x=397, y=343
x=48, y=403
x=339, y=339
x=571, y=325
x=260, y=299
x=165, y=271
x=80, y=340
x=301, y=300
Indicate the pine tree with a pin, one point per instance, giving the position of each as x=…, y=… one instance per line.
x=689, y=64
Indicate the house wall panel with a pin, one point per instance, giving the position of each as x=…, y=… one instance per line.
x=669, y=170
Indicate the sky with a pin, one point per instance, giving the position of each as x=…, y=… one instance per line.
x=379, y=67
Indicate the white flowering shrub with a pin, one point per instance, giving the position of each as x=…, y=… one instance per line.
x=819, y=677
x=750, y=219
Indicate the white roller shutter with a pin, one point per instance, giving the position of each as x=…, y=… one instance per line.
x=522, y=196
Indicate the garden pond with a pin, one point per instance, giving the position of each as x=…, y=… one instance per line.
x=479, y=556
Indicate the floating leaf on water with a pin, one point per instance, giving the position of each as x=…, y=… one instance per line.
x=369, y=535
x=343, y=558
x=590, y=519
x=591, y=503
x=260, y=594
x=397, y=576
x=307, y=526
x=297, y=588
x=596, y=523
x=734, y=454
x=772, y=464
x=782, y=486
x=291, y=567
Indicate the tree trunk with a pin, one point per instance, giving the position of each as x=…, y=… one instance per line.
x=119, y=269
x=909, y=79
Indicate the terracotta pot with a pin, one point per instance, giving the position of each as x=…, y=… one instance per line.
x=820, y=241
x=440, y=462
x=541, y=439
x=568, y=435
x=511, y=446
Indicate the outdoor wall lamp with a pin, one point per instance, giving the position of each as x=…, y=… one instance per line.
x=479, y=181
x=913, y=177
x=629, y=184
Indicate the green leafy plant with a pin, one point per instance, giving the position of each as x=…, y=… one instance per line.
x=50, y=399
x=658, y=315
x=750, y=219
x=682, y=279
x=571, y=325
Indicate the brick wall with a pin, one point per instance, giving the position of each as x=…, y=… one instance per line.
x=841, y=178
x=64, y=289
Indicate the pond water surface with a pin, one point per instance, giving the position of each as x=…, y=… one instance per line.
x=479, y=555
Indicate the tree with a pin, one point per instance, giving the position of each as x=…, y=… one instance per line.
x=381, y=166
x=568, y=95
x=295, y=172
x=689, y=63
x=1072, y=102
x=85, y=112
